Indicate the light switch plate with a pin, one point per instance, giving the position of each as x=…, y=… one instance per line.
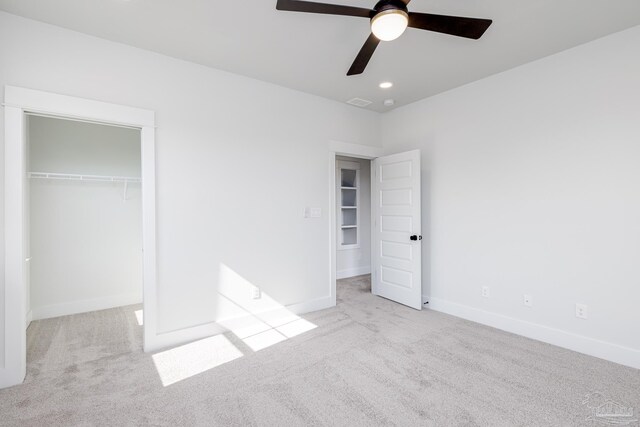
x=312, y=212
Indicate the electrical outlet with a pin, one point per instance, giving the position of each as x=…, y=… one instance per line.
x=581, y=311
x=485, y=291
x=527, y=300
x=256, y=294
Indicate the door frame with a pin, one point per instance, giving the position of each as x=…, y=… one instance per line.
x=337, y=148
x=17, y=103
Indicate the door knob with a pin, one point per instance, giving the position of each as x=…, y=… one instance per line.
x=415, y=237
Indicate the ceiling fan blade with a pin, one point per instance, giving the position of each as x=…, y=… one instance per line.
x=471, y=28
x=364, y=56
x=330, y=9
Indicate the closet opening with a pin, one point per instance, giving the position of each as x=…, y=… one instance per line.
x=352, y=227
x=20, y=106
x=83, y=223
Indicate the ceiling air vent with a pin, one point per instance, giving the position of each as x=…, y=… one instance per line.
x=359, y=102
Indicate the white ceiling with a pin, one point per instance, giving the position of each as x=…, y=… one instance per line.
x=312, y=53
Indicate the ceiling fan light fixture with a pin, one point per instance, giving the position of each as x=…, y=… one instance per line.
x=389, y=24
x=388, y=20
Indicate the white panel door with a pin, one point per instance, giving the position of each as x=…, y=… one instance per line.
x=396, y=238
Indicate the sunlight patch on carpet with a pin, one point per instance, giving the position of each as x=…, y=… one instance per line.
x=191, y=359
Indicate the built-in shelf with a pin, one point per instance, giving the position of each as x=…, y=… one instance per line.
x=349, y=217
x=348, y=178
x=350, y=237
x=348, y=189
x=349, y=198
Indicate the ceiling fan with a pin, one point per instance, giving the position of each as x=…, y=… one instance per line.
x=389, y=19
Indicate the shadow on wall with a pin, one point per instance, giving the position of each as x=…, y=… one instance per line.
x=258, y=323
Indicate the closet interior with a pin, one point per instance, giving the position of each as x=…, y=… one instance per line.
x=85, y=217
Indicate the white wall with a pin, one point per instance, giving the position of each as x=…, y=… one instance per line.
x=354, y=262
x=86, y=240
x=532, y=178
x=68, y=146
x=237, y=161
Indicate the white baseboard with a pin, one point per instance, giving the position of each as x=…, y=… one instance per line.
x=580, y=343
x=351, y=272
x=182, y=336
x=9, y=377
x=84, y=306
x=313, y=305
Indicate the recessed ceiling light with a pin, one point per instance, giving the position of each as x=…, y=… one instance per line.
x=385, y=85
x=389, y=102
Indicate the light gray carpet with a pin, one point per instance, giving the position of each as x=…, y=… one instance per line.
x=368, y=362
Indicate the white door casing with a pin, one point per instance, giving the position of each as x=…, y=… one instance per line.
x=17, y=103
x=396, y=219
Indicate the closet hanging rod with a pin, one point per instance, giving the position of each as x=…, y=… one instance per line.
x=78, y=177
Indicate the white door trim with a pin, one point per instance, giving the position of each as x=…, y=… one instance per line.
x=17, y=102
x=337, y=148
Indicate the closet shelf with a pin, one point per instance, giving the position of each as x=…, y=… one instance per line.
x=77, y=177
x=126, y=180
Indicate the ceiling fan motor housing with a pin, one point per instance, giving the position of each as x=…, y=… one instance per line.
x=388, y=5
